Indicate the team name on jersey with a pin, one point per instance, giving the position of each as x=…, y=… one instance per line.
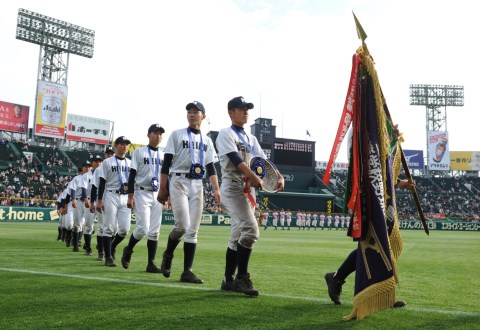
x=195, y=145
x=146, y=160
x=120, y=168
x=241, y=147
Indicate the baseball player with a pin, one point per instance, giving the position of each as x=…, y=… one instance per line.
x=314, y=220
x=112, y=199
x=322, y=220
x=67, y=210
x=90, y=216
x=79, y=210
x=265, y=219
x=93, y=202
x=299, y=222
x=143, y=186
x=282, y=219
x=308, y=220
x=289, y=218
x=336, y=222
x=236, y=148
x=189, y=154
x=329, y=221
x=342, y=221
x=275, y=219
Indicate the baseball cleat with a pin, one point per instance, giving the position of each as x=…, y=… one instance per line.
x=189, y=277
x=152, y=268
x=228, y=286
x=244, y=284
x=166, y=265
x=75, y=249
x=100, y=256
x=126, y=257
x=334, y=288
x=88, y=252
x=109, y=262
x=399, y=304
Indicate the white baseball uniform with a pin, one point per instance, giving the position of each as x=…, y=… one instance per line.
x=116, y=214
x=289, y=218
x=282, y=218
x=329, y=221
x=69, y=215
x=337, y=221
x=186, y=192
x=314, y=220
x=322, y=220
x=147, y=163
x=275, y=219
x=79, y=211
x=96, y=174
x=308, y=221
x=243, y=227
x=89, y=216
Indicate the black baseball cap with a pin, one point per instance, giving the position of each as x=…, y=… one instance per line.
x=109, y=149
x=196, y=104
x=122, y=140
x=97, y=157
x=239, y=102
x=156, y=127
x=86, y=163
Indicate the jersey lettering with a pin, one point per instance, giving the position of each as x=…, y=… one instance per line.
x=146, y=160
x=195, y=145
x=116, y=168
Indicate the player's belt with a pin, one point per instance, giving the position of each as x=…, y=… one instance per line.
x=184, y=175
x=114, y=191
x=146, y=189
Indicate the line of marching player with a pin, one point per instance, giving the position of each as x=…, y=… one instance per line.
x=284, y=219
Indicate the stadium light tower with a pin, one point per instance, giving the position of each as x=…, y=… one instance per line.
x=57, y=39
x=436, y=98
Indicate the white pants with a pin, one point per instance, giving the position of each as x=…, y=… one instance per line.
x=244, y=226
x=61, y=221
x=99, y=217
x=89, y=221
x=148, y=212
x=68, y=217
x=79, y=216
x=186, y=197
x=116, y=214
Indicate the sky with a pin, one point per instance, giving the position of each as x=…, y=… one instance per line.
x=291, y=58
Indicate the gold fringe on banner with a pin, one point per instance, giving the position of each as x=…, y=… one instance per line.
x=376, y=297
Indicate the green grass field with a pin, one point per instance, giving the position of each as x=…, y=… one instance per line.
x=45, y=285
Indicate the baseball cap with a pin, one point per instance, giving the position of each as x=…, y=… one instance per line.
x=97, y=157
x=239, y=102
x=122, y=140
x=156, y=127
x=86, y=163
x=197, y=105
x=109, y=149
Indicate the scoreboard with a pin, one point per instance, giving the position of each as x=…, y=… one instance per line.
x=293, y=152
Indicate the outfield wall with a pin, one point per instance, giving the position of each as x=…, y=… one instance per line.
x=38, y=214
